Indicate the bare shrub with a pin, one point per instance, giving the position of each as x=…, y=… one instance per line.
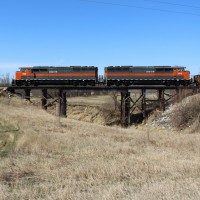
x=114, y=95
x=111, y=110
x=185, y=113
x=5, y=80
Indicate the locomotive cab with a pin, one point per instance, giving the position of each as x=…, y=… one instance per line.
x=181, y=76
x=22, y=76
x=180, y=72
x=24, y=72
x=28, y=72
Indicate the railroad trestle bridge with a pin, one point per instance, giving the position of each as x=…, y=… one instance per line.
x=128, y=104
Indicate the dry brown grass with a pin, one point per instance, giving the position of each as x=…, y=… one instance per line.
x=78, y=160
x=95, y=109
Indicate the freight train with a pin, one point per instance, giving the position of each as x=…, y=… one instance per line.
x=113, y=76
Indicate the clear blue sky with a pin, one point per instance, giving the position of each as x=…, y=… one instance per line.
x=114, y=32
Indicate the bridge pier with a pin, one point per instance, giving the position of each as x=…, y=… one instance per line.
x=125, y=109
x=179, y=94
x=161, y=99
x=143, y=106
x=27, y=94
x=62, y=107
x=44, y=99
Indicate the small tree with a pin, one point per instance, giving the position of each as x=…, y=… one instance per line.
x=5, y=80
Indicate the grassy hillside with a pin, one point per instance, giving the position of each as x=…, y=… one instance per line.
x=54, y=158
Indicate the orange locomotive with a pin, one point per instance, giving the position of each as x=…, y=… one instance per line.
x=147, y=75
x=73, y=75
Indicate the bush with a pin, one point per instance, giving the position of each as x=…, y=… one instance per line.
x=111, y=110
x=186, y=113
x=5, y=80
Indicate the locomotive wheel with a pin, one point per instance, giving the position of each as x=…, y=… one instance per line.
x=35, y=83
x=126, y=83
x=117, y=83
x=19, y=84
x=167, y=83
x=84, y=83
x=27, y=83
x=75, y=83
x=185, y=83
x=108, y=84
x=177, y=83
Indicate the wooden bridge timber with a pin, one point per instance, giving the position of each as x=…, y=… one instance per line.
x=128, y=105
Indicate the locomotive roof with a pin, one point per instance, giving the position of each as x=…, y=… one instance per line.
x=130, y=66
x=44, y=67
x=53, y=67
x=25, y=67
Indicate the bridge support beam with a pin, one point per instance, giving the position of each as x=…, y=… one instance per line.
x=143, y=106
x=62, y=108
x=27, y=94
x=58, y=107
x=161, y=98
x=44, y=99
x=125, y=109
x=178, y=94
